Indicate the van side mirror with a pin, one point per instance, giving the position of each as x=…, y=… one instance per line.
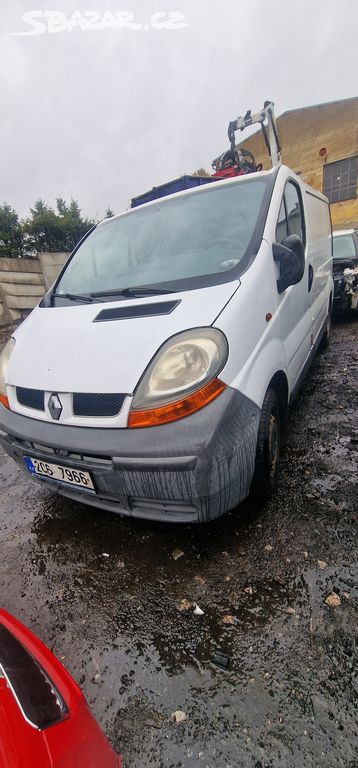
x=290, y=255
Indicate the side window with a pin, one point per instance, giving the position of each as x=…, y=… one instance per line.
x=295, y=219
x=355, y=238
x=281, y=228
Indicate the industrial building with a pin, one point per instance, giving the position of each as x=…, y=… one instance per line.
x=321, y=144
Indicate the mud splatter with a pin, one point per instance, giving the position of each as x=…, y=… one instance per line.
x=288, y=696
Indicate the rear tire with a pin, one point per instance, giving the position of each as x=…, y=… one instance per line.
x=268, y=448
x=327, y=333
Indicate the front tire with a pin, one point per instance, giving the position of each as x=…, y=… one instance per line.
x=268, y=448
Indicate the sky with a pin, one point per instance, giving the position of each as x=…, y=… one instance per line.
x=101, y=115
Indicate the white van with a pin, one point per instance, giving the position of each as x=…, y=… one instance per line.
x=154, y=378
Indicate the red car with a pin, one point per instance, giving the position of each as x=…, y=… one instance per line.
x=44, y=719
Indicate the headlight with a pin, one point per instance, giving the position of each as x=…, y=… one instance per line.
x=4, y=362
x=182, y=374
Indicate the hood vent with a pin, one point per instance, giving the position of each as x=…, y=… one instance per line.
x=140, y=310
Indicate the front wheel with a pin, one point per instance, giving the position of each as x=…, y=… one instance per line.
x=268, y=448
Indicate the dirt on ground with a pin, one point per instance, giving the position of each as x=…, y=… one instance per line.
x=5, y=333
x=277, y=587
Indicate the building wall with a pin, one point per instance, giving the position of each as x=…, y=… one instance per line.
x=302, y=133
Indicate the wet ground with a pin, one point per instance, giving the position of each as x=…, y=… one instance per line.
x=107, y=596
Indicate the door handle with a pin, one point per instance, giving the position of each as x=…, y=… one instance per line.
x=310, y=277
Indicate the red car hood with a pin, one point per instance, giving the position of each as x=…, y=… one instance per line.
x=47, y=725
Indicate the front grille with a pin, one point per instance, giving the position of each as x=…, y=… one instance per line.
x=96, y=405
x=31, y=398
x=161, y=509
x=84, y=404
x=45, y=451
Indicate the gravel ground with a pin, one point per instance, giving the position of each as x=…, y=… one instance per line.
x=277, y=585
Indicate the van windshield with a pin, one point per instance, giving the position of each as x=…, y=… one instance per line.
x=343, y=247
x=170, y=244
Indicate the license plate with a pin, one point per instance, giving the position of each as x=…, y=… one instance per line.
x=58, y=472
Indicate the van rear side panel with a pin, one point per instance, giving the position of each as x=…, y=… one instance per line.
x=319, y=242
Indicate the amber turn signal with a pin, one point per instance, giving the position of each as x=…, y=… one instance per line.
x=173, y=411
x=4, y=401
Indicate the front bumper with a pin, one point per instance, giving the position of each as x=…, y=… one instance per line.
x=192, y=470
x=341, y=301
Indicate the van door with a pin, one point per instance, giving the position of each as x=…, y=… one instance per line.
x=295, y=301
x=319, y=248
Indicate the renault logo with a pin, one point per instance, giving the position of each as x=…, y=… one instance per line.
x=55, y=406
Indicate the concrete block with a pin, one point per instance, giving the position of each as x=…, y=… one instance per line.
x=21, y=302
x=20, y=265
x=11, y=289
x=21, y=278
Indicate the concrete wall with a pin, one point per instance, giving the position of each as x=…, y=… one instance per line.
x=5, y=316
x=51, y=264
x=302, y=133
x=24, y=281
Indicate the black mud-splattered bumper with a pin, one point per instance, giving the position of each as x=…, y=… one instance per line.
x=191, y=470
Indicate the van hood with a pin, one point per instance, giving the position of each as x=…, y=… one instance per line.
x=65, y=349
x=339, y=265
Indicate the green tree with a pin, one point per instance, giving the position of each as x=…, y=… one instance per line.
x=60, y=230
x=72, y=224
x=11, y=236
x=61, y=206
x=109, y=213
x=43, y=229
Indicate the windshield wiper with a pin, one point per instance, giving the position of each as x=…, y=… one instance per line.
x=73, y=297
x=132, y=292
